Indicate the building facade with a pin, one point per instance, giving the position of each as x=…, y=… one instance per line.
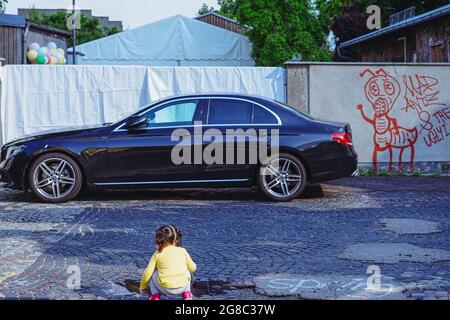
x=16, y=34
x=420, y=39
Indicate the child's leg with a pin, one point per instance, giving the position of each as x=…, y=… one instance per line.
x=187, y=293
x=154, y=284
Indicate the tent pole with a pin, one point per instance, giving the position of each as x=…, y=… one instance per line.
x=74, y=33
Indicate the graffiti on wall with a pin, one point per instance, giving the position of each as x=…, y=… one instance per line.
x=418, y=94
x=422, y=97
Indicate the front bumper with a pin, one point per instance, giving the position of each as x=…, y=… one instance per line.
x=5, y=179
x=12, y=171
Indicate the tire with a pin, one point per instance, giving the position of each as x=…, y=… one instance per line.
x=273, y=179
x=55, y=178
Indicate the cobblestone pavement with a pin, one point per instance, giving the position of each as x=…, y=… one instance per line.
x=319, y=246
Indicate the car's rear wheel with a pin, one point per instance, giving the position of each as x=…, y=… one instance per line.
x=55, y=178
x=282, y=178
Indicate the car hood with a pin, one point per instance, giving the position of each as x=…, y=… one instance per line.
x=63, y=131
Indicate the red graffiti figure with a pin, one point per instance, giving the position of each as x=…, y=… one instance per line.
x=382, y=91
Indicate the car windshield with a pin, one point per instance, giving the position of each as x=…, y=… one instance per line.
x=137, y=111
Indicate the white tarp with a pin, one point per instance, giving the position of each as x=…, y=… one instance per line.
x=175, y=41
x=36, y=98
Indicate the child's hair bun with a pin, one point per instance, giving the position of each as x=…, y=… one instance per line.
x=168, y=235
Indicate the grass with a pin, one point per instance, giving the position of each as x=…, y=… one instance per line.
x=386, y=173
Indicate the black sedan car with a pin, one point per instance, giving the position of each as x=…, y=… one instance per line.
x=141, y=150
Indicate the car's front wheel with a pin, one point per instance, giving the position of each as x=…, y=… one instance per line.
x=282, y=178
x=55, y=178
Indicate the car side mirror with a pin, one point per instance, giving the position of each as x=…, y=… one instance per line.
x=135, y=122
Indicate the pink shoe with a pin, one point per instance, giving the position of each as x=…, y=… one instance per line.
x=187, y=295
x=155, y=297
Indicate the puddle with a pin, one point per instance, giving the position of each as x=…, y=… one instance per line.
x=409, y=226
x=199, y=288
x=394, y=253
x=132, y=285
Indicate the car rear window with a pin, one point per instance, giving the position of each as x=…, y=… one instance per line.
x=262, y=116
x=227, y=111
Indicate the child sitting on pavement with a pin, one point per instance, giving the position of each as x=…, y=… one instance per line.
x=169, y=270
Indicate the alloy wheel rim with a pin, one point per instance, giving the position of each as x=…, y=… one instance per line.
x=54, y=178
x=282, y=177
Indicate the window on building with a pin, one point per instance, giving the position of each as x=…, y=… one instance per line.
x=437, y=53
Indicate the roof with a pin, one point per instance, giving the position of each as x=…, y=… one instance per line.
x=427, y=16
x=173, y=41
x=49, y=29
x=12, y=20
x=212, y=13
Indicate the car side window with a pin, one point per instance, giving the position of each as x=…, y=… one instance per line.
x=262, y=116
x=229, y=111
x=173, y=114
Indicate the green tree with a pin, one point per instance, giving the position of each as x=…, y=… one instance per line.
x=227, y=8
x=282, y=29
x=3, y=5
x=90, y=27
x=205, y=9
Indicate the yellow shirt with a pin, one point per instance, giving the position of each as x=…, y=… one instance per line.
x=174, y=267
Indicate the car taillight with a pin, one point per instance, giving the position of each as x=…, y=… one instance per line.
x=342, y=138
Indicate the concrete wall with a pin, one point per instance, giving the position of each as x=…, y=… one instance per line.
x=413, y=103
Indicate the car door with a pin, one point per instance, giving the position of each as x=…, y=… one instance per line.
x=143, y=156
x=248, y=122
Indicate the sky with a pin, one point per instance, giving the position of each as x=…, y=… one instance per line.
x=133, y=13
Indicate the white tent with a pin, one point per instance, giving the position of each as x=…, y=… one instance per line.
x=175, y=41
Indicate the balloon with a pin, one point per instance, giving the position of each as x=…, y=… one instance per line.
x=40, y=59
x=53, y=60
x=52, y=45
x=65, y=60
x=34, y=46
x=60, y=51
x=52, y=52
x=43, y=51
x=47, y=60
x=32, y=55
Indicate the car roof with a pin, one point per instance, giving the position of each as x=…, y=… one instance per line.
x=219, y=94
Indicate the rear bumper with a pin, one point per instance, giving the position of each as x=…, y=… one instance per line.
x=339, y=168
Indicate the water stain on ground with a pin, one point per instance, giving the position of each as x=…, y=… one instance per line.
x=199, y=288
